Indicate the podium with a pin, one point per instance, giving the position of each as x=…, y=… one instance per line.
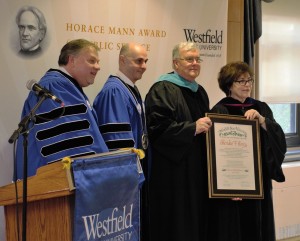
x=50, y=206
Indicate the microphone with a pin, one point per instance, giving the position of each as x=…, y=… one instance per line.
x=34, y=86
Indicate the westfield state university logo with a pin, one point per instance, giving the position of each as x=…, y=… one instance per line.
x=212, y=37
x=210, y=42
x=110, y=223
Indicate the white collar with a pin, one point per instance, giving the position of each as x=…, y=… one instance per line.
x=62, y=69
x=125, y=78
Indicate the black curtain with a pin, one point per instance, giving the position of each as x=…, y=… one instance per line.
x=252, y=28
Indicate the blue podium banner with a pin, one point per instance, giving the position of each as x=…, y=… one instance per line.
x=107, y=200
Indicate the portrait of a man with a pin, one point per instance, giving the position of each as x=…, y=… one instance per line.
x=32, y=30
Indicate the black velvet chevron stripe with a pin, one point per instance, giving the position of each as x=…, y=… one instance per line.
x=115, y=127
x=116, y=144
x=67, y=144
x=63, y=128
x=69, y=110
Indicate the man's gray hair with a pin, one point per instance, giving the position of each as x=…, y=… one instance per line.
x=183, y=45
x=36, y=12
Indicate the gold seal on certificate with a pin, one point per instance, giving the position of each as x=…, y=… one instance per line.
x=234, y=162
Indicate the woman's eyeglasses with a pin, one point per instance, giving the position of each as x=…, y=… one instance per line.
x=243, y=82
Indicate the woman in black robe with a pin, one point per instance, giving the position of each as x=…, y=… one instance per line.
x=178, y=193
x=248, y=219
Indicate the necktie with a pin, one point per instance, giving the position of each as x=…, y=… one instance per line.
x=139, y=99
x=144, y=136
x=138, y=95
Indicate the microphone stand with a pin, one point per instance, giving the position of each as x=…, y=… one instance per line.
x=23, y=129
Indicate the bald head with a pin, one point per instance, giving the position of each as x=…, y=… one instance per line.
x=132, y=61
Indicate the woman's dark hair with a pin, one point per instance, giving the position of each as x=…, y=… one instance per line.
x=231, y=72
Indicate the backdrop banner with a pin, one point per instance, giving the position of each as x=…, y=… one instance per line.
x=107, y=200
x=156, y=24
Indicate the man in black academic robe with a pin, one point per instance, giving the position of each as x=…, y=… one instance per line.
x=178, y=192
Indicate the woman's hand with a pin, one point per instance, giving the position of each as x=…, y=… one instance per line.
x=254, y=114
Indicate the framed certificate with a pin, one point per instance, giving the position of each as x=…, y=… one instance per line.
x=234, y=161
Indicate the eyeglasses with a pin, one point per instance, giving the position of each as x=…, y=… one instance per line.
x=243, y=82
x=192, y=59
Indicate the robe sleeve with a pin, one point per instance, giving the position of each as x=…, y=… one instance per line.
x=170, y=126
x=274, y=145
x=113, y=112
x=56, y=131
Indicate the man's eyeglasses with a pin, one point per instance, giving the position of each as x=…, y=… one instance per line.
x=191, y=60
x=243, y=82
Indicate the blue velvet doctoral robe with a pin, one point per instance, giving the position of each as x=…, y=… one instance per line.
x=59, y=131
x=120, y=115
